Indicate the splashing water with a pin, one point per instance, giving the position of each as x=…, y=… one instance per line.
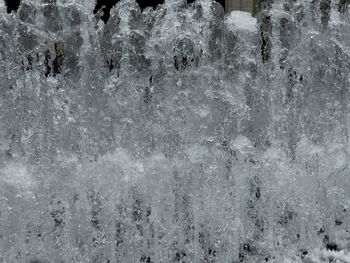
x=179, y=134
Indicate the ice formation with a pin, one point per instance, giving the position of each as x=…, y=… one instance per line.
x=179, y=134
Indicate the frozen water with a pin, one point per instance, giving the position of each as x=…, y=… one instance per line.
x=179, y=134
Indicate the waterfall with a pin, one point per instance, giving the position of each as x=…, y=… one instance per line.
x=175, y=134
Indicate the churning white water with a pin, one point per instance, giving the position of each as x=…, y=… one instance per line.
x=180, y=134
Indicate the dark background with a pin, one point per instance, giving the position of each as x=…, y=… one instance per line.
x=142, y=3
x=12, y=5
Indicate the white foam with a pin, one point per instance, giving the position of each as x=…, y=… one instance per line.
x=242, y=20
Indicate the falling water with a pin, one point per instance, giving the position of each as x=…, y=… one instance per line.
x=180, y=134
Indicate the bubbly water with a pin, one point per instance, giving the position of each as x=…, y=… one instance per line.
x=179, y=134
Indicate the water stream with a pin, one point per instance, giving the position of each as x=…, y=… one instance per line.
x=180, y=134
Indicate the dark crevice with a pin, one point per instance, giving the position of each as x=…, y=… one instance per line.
x=146, y=259
x=179, y=256
x=148, y=95
x=47, y=63
x=110, y=64
x=105, y=6
x=303, y=253
x=332, y=247
x=58, y=214
x=58, y=61
x=343, y=5
x=325, y=7
x=12, y=5
x=265, y=31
